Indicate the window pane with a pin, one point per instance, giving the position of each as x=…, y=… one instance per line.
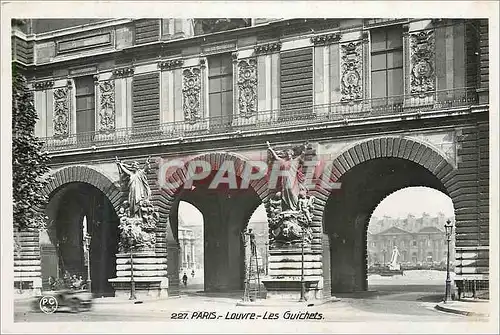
x=226, y=64
x=227, y=83
x=214, y=104
x=214, y=66
x=214, y=85
x=379, y=84
x=84, y=85
x=85, y=121
x=227, y=105
x=83, y=103
x=378, y=39
x=378, y=62
x=394, y=59
x=394, y=38
x=177, y=26
x=395, y=82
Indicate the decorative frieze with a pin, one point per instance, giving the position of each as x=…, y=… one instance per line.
x=123, y=72
x=107, y=113
x=352, y=64
x=247, y=87
x=170, y=64
x=191, y=94
x=43, y=85
x=267, y=48
x=61, y=112
x=422, y=50
x=326, y=39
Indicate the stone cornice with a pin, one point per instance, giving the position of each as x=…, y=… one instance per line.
x=43, y=85
x=326, y=39
x=170, y=64
x=123, y=72
x=267, y=48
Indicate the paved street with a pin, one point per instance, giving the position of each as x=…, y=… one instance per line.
x=384, y=305
x=400, y=298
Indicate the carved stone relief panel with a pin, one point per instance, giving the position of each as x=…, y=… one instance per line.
x=247, y=87
x=107, y=115
x=61, y=112
x=352, y=65
x=191, y=94
x=422, y=65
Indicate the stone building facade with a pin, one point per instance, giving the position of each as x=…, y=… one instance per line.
x=420, y=240
x=384, y=103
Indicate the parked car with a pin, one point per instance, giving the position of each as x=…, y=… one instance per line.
x=66, y=299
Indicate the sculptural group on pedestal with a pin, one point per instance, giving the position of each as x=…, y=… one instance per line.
x=138, y=217
x=290, y=208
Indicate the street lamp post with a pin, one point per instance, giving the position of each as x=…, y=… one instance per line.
x=448, y=229
x=302, y=287
x=87, y=251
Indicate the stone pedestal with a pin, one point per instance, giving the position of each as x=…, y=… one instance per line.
x=150, y=275
x=284, y=279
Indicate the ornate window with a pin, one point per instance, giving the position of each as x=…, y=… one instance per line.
x=85, y=104
x=220, y=85
x=387, y=65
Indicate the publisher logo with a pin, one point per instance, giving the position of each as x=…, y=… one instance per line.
x=48, y=304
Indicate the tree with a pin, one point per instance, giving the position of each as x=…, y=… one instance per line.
x=29, y=164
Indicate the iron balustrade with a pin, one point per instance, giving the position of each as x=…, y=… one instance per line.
x=270, y=119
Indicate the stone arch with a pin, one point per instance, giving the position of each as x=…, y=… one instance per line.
x=215, y=159
x=85, y=174
x=407, y=148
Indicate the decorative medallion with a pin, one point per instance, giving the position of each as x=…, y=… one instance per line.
x=170, y=64
x=351, y=83
x=247, y=87
x=191, y=94
x=123, y=72
x=422, y=51
x=61, y=112
x=325, y=39
x=267, y=48
x=106, y=106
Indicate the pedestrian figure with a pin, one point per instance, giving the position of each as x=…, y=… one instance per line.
x=185, y=279
x=192, y=273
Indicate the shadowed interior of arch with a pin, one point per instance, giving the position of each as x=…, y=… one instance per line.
x=348, y=211
x=62, y=246
x=226, y=213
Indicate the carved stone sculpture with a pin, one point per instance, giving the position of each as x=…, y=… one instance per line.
x=191, y=94
x=290, y=209
x=422, y=52
x=61, y=112
x=107, y=106
x=351, y=82
x=138, y=216
x=247, y=87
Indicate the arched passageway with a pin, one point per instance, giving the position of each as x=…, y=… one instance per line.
x=71, y=206
x=226, y=212
x=367, y=176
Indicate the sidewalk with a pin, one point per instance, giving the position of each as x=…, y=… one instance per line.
x=468, y=308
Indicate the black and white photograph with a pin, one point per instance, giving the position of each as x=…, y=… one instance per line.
x=321, y=170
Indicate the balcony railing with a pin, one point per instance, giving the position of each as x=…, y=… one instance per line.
x=271, y=119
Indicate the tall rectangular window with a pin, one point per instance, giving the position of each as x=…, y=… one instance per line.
x=85, y=104
x=387, y=65
x=220, y=85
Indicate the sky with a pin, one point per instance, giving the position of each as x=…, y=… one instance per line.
x=414, y=200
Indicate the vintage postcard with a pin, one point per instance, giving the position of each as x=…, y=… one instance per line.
x=250, y=167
